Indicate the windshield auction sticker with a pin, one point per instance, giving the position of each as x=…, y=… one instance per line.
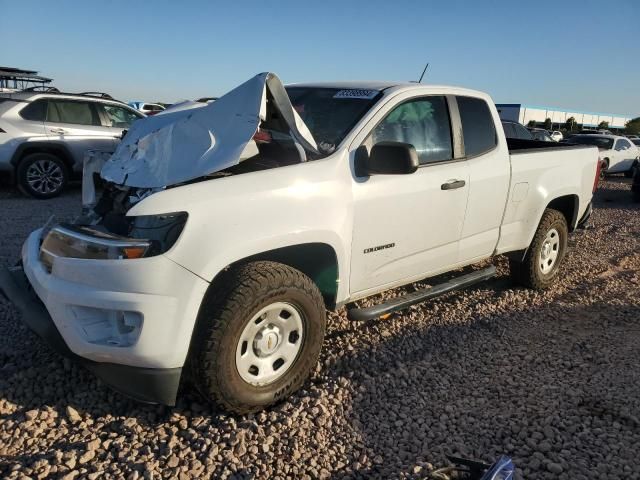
x=354, y=93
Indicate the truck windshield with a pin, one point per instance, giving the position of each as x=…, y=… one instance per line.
x=331, y=112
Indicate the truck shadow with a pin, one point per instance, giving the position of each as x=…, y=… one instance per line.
x=481, y=389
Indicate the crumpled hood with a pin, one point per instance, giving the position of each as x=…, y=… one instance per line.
x=182, y=145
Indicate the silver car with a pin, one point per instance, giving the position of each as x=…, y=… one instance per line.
x=44, y=136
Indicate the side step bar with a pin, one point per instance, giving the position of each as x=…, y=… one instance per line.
x=405, y=301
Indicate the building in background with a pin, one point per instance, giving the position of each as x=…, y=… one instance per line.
x=519, y=112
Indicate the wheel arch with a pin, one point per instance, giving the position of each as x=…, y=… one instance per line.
x=568, y=205
x=52, y=148
x=318, y=261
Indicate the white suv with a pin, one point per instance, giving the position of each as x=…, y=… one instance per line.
x=44, y=136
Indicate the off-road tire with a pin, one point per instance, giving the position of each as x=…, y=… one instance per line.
x=227, y=309
x=27, y=162
x=528, y=272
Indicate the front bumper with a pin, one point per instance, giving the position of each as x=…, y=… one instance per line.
x=80, y=306
x=151, y=385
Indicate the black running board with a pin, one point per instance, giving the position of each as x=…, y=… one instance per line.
x=405, y=301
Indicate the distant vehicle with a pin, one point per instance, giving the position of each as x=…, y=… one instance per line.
x=540, y=134
x=635, y=141
x=44, y=135
x=147, y=108
x=600, y=131
x=516, y=130
x=632, y=136
x=618, y=153
x=556, y=135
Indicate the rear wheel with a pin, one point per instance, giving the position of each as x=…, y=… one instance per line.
x=258, y=337
x=42, y=175
x=540, y=266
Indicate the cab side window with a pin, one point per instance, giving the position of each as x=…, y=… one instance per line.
x=423, y=123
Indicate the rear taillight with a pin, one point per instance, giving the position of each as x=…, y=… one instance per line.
x=596, y=180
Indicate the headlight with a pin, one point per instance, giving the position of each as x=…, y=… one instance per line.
x=148, y=235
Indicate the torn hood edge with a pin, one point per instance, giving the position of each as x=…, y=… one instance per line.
x=186, y=144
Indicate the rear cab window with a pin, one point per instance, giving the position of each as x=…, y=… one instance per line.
x=478, y=128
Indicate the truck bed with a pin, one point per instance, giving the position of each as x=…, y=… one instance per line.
x=538, y=168
x=517, y=145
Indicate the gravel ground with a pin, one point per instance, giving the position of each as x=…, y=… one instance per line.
x=550, y=379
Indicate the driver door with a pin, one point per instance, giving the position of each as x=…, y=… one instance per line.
x=408, y=226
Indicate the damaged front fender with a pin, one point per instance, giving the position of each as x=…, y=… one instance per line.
x=183, y=145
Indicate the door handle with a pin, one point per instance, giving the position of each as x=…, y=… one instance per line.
x=453, y=184
x=61, y=131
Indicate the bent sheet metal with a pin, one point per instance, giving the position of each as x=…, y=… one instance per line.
x=182, y=145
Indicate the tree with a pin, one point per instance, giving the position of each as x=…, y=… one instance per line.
x=547, y=124
x=603, y=124
x=632, y=127
x=570, y=124
x=532, y=123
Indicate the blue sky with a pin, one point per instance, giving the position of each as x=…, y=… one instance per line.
x=574, y=54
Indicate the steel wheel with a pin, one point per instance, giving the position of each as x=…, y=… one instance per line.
x=45, y=176
x=549, y=251
x=269, y=344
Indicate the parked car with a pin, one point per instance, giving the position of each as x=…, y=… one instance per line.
x=556, y=135
x=618, y=153
x=516, y=130
x=540, y=134
x=635, y=141
x=44, y=136
x=147, y=108
x=225, y=264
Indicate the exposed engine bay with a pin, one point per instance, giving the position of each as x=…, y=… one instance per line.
x=253, y=127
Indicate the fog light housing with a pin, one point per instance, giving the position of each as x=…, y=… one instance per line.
x=111, y=328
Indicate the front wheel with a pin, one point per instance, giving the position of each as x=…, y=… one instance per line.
x=540, y=266
x=258, y=338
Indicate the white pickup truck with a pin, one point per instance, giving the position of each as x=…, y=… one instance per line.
x=224, y=231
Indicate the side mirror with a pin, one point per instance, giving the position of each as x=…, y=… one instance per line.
x=387, y=158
